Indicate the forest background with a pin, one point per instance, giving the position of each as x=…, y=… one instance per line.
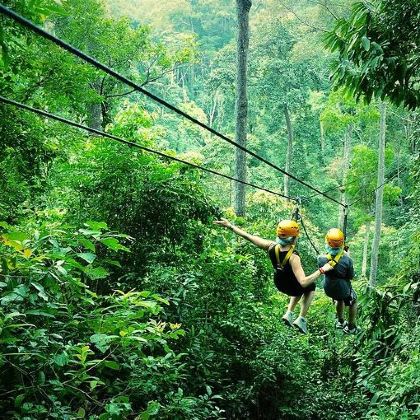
x=118, y=296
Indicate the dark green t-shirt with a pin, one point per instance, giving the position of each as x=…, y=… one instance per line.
x=337, y=281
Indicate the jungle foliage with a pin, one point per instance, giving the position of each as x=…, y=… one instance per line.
x=119, y=298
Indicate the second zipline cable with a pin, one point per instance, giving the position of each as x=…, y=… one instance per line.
x=133, y=144
x=27, y=23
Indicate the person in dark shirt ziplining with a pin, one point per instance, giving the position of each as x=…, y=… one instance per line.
x=289, y=276
x=337, y=284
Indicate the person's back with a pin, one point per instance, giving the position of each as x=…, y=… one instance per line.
x=337, y=283
x=284, y=278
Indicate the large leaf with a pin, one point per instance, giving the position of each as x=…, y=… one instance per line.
x=96, y=225
x=114, y=244
x=96, y=273
x=61, y=359
x=87, y=256
x=102, y=341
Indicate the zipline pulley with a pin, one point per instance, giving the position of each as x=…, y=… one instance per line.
x=296, y=214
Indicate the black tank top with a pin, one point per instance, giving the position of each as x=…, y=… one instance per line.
x=287, y=272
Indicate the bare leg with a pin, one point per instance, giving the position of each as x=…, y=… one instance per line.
x=304, y=306
x=293, y=302
x=352, y=314
x=339, y=306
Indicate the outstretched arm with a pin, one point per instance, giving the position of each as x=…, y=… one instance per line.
x=304, y=280
x=256, y=240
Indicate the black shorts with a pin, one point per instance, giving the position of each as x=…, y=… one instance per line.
x=349, y=300
x=291, y=287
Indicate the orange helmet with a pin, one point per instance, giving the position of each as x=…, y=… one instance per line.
x=334, y=238
x=287, y=228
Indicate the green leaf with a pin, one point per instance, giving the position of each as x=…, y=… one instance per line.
x=96, y=225
x=19, y=400
x=18, y=294
x=365, y=43
x=87, y=256
x=40, y=313
x=112, y=365
x=87, y=232
x=87, y=244
x=114, y=244
x=96, y=273
x=102, y=341
x=81, y=412
x=41, y=291
x=160, y=299
x=152, y=409
x=16, y=236
x=61, y=359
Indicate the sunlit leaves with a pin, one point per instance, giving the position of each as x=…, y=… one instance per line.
x=377, y=56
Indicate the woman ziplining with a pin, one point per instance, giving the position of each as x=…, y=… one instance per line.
x=289, y=276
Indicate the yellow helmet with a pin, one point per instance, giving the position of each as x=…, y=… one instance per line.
x=287, y=228
x=334, y=238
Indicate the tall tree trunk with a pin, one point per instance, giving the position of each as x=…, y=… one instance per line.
x=365, y=249
x=379, y=198
x=345, y=170
x=242, y=8
x=289, y=148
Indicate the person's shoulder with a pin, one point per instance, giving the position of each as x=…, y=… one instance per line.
x=272, y=245
x=346, y=258
x=295, y=256
x=346, y=262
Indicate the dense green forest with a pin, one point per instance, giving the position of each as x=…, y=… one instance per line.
x=119, y=296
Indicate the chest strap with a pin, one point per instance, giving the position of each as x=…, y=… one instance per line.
x=281, y=265
x=332, y=261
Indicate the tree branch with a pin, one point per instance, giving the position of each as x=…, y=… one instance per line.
x=316, y=28
x=325, y=6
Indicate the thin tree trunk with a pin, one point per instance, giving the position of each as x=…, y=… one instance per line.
x=379, y=199
x=365, y=249
x=242, y=7
x=213, y=109
x=345, y=169
x=289, y=148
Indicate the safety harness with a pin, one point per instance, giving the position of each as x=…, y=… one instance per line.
x=332, y=261
x=282, y=264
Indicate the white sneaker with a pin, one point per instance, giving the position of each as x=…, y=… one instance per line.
x=340, y=325
x=300, y=324
x=288, y=318
x=348, y=330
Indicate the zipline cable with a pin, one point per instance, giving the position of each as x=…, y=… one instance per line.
x=28, y=24
x=131, y=143
x=298, y=218
x=337, y=188
x=309, y=239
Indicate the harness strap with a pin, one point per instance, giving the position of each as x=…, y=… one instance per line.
x=332, y=261
x=286, y=258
